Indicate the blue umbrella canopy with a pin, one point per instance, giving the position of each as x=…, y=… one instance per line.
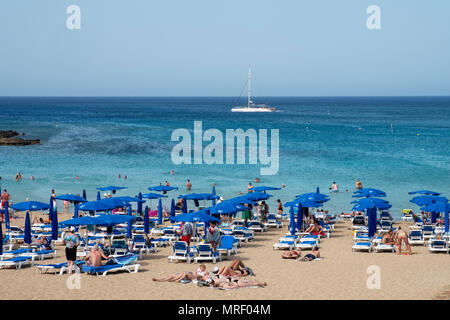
x=153, y=196
x=30, y=206
x=305, y=203
x=440, y=206
x=112, y=203
x=425, y=192
x=129, y=199
x=369, y=192
x=314, y=197
x=371, y=205
x=426, y=200
x=27, y=235
x=111, y=188
x=370, y=200
x=199, y=216
x=162, y=188
x=263, y=188
x=70, y=197
x=112, y=219
x=257, y=196
x=242, y=200
x=223, y=208
x=83, y=221
x=199, y=196
x=93, y=206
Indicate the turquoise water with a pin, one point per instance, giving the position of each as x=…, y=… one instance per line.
x=394, y=144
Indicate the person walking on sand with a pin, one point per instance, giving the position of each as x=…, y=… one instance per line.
x=188, y=185
x=213, y=236
x=399, y=237
x=71, y=242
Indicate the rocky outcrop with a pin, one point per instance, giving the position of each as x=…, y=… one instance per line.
x=8, y=134
x=7, y=138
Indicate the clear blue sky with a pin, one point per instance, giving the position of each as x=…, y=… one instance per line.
x=204, y=48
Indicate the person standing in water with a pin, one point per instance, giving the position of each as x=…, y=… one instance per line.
x=188, y=185
x=334, y=187
x=358, y=184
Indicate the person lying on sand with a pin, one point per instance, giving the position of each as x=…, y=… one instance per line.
x=291, y=254
x=177, y=277
x=235, y=269
x=221, y=281
x=315, y=254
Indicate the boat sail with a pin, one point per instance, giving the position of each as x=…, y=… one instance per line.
x=251, y=106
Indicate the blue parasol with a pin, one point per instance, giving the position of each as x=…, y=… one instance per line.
x=425, y=192
x=162, y=188
x=198, y=216
x=30, y=206
x=160, y=212
x=27, y=235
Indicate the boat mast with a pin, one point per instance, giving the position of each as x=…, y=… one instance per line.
x=249, y=76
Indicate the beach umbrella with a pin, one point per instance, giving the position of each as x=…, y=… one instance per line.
x=426, y=200
x=160, y=213
x=111, y=188
x=213, y=192
x=55, y=226
x=93, y=206
x=263, y=189
x=425, y=192
x=50, y=209
x=369, y=192
x=146, y=221
x=153, y=196
x=313, y=196
x=129, y=224
x=242, y=200
x=440, y=206
x=112, y=203
x=257, y=196
x=27, y=235
x=300, y=217
x=84, y=195
x=70, y=197
x=184, y=206
x=172, y=208
x=139, y=205
x=162, y=188
x=7, y=226
x=292, y=220
x=199, y=196
x=1, y=238
x=98, y=195
x=113, y=219
x=83, y=221
x=223, y=208
x=30, y=206
x=199, y=216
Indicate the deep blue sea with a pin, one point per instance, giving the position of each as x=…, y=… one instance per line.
x=397, y=144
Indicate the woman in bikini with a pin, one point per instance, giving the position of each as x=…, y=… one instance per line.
x=177, y=277
x=291, y=254
x=399, y=237
x=234, y=270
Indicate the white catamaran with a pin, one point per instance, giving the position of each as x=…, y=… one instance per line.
x=251, y=106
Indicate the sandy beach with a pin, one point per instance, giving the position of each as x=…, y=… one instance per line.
x=342, y=274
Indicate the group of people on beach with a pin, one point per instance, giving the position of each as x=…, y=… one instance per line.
x=397, y=238
x=225, y=277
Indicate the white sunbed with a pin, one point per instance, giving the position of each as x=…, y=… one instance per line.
x=17, y=262
x=438, y=246
x=362, y=246
x=384, y=247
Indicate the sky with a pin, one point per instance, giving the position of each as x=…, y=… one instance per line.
x=205, y=47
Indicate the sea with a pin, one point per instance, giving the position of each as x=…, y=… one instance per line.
x=396, y=144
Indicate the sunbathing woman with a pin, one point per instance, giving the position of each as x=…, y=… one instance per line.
x=221, y=281
x=177, y=277
x=234, y=270
x=316, y=229
x=291, y=254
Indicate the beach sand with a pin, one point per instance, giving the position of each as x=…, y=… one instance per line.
x=342, y=274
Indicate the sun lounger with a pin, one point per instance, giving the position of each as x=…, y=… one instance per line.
x=362, y=246
x=140, y=246
x=103, y=270
x=306, y=243
x=40, y=255
x=206, y=253
x=273, y=222
x=428, y=232
x=182, y=252
x=17, y=262
x=438, y=246
x=416, y=237
x=257, y=226
x=57, y=268
x=407, y=215
x=14, y=253
x=243, y=234
x=379, y=247
x=385, y=226
x=228, y=245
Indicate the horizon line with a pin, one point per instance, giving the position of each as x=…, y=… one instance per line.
x=226, y=96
